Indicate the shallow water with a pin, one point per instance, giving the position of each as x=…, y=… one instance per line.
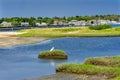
x=20, y=62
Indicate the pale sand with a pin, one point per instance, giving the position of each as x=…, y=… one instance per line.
x=8, y=39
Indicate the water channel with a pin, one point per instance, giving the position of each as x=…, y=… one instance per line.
x=20, y=62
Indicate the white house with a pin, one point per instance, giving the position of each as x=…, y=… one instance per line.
x=42, y=24
x=37, y=24
x=25, y=24
x=101, y=22
x=6, y=24
x=115, y=22
x=78, y=23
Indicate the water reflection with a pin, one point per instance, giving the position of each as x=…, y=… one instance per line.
x=53, y=62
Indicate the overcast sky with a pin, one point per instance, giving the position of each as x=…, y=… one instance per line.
x=50, y=8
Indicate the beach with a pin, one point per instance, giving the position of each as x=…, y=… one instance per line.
x=9, y=39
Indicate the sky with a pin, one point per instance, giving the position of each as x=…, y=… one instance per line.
x=60, y=8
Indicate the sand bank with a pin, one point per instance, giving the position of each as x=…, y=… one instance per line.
x=8, y=39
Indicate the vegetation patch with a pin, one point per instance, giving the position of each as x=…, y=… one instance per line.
x=104, y=61
x=69, y=32
x=100, y=27
x=109, y=72
x=66, y=29
x=88, y=70
x=104, y=66
x=55, y=54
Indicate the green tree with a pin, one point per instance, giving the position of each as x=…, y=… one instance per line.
x=1, y=20
x=32, y=21
x=63, y=19
x=39, y=19
x=7, y=19
x=15, y=21
x=49, y=21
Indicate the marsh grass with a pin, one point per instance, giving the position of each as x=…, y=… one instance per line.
x=55, y=54
x=66, y=29
x=104, y=66
x=69, y=32
x=104, y=61
x=100, y=27
x=109, y=72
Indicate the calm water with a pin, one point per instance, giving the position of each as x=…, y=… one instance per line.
x=115, y=25
x=20, y=62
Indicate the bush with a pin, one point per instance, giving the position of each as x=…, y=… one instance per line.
x=100, y=27
x=55, y=54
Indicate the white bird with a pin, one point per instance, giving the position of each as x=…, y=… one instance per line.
x=52, y=49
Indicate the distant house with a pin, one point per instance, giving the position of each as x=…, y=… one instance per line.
x=37, y=24
x=41, y=24
x=25, y=24
x=6, y=24
x=115, y=22
x=101, y=22
x=44, y=24
x=78, y=23
x=56, y=22
x=73, y=22
x=82, y=23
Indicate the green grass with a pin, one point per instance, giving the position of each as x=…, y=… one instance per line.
x=100, y=27
x=55, y=54
x=69, y=32
x=104, y=61
x=104, y=66
x=109, y=72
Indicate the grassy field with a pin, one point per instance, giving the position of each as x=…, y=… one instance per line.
x=111, y=70
x=69, y=32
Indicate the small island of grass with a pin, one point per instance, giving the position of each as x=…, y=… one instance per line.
x=54, y=54
x=105, y=66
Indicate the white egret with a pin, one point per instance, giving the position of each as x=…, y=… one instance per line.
x=52, y=49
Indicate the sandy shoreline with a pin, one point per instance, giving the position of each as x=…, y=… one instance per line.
x=67, y=76
x=9, y=39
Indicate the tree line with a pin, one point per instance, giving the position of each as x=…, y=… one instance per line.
x=32, y=20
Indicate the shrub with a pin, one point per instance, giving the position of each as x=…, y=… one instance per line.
x=55, y=54
x=100, y=27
